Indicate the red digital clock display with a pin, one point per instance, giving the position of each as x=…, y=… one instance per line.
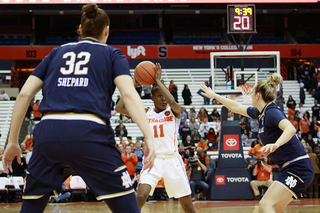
x=241, y=18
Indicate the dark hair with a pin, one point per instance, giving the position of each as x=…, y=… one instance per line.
x=155, y=86
x=93, y=21
x=267, y=88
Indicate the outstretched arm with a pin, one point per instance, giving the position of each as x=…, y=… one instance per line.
x=230, y=104
x=175, y=107
x=137, y=112
x=28, y=91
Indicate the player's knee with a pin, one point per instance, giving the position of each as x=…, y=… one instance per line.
x=141, y=197
x=264, y=206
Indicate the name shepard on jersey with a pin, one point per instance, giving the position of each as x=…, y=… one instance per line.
x=73, y=82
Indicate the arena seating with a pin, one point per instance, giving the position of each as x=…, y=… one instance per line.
x=6, y=108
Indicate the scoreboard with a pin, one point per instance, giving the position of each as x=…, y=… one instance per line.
x=241, y=18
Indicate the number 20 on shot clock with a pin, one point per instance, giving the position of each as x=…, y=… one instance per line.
x=241, y=18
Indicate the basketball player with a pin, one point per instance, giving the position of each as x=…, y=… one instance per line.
x=280, y=141
x=164, y=122
x=78, y=80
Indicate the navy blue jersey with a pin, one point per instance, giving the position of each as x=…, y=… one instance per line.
x=78, y=77
x=269, y=132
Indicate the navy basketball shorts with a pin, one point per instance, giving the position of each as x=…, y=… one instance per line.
x=86, y=147
x=297, y=176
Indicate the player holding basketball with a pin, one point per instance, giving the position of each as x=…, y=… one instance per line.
x=280, y=141
x=164, y=122
x=78, y=80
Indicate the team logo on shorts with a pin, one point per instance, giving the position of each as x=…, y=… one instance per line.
x=231, y=142
x=126, y=180
x=220, y=180
x=291, y=182
x=166, y=113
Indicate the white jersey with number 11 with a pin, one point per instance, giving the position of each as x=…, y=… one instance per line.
x=165, y=126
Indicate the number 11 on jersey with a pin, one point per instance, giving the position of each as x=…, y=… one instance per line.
x=155, y=128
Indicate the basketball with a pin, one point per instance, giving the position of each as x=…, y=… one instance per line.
x=145, y=73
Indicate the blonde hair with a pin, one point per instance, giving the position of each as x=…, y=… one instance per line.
x=268, y=88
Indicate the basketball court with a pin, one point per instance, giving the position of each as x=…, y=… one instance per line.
x=239, y=206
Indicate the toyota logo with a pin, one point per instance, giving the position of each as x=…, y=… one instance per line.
x=220, y=179
x=231, y=142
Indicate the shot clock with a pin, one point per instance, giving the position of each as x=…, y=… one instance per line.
x=241, y=18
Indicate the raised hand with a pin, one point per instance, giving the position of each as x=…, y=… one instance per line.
x=207, y=91
x=158, y=71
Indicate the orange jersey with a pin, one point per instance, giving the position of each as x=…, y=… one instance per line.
x=130, y=162
x=255, y=151
x=203, y=145
x=262, y=174
x=36, y=112
x=304, y=126
x=291, y=112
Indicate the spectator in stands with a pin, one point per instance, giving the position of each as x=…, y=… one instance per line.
x=294, y=122
x=263, y=171
x=280, y=100
x=244, y=137
x=301, y=110
x=254, y=125
x=193, y=125
x=214, y=115
x=189, y=146
x=28, y=140
x=147, y=92
x=218, y=126
x=4, y=96
x=186, y=95
x=313, y=189
x=314, y=86
x=36, y=113
x=315, y=109
x=28, y=113
x=302, y=95
x=203, y=157
x=185, y=131
x=31, y=127
x=255, y=150
x=181, y=125
x=118, y=99
x=183, y=154
x=121, y=148
x=121, y=130
x=131, y=160
x=301, y=72
x=306, y=80
x=192, y=113
x=204, y=128
x=19, y=168
x=202, y=114
x=314, y=126
x=29, y=154
x=139, y=152
x=129, y=139
x=291, y=111
x=202, y=144
x=309, y=141
x=173, y=89
x=195, y=137
x=183, y=115
x=205, y=99
x=196, y=172
x=291, y=102
x=304, y=125
x=243, y=125
x=24, y=151
x=211, y=135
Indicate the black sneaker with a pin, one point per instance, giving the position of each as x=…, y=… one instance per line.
x=258, y=197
